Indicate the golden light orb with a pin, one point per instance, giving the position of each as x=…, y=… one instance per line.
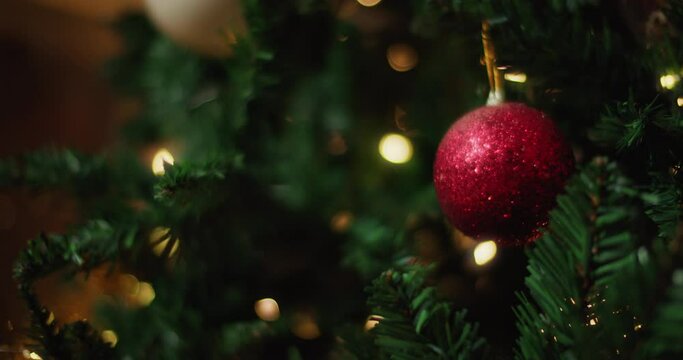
x=159, y=238
x=395, y=148
x=518, y=77
x=267, y=309
x=146, y=294
x=162, y=156
x=669, y=81
x=371, y=322
x=369, y=3
x=485, y=252
x=402, y=57
x=30, y=355
x=305, y=327
x=341, y=221
x=109, y=337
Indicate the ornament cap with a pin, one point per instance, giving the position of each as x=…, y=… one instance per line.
x=496, y=97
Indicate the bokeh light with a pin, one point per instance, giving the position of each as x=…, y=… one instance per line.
x=679, y=101
x=341, y=221
x=146, y=294
x=267, y=309
x=396, y=148
x=485, y=252
x=305, y=327
x=371, y=322
x=669, y=81
x=518, y=77
x=30, y=355
x=402, y=57
x=129, y=284
x=369, y=3
x=110, y=337
x=162, y=156
x=159, y=238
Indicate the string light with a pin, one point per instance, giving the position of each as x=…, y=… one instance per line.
x=341, y=221
x=369, y=3
x=267, y=309
x=518, y=77
x=669, y=81
x=159, y=238
x=679, y=101
x=146, y=294
x=129, y=284
x=401, y=57
x=484, y=252
x=30, y=355
x=110, y=337
x=372, y=321
x=305, y=327
x=395, y=148
x=593, y=321
x=163, y=156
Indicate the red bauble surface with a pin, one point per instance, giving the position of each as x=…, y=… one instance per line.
x=498, y=170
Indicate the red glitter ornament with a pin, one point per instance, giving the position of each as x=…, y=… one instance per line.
x=498, y=170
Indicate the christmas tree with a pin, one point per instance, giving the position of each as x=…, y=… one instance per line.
x=290, y=210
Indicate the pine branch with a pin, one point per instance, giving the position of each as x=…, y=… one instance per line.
x=192, y=187
x=415, y=323
x=104, y=187
x=48, y=168
x=82, y=250
x=665, y=331
x=576, y=270
x=624, y=125
x=74, y=341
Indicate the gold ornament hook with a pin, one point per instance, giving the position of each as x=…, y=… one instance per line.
x=497, y=92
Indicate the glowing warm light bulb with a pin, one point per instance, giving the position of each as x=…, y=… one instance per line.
x=305, y=327
x=109, y=337
x=162, y=156
x=159, y=238
x=267, y=309
x=372, y=321
x=146, y=294
x=679, y=101
x=30, y=355
x=401, y=57
x=485, y=252
x=341, y=221
x=669, y=81
x=129, y=284
x=518, y=77
x=396, y=148
x=369, y=3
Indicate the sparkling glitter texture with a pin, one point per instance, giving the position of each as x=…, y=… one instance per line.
x=498, y=170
